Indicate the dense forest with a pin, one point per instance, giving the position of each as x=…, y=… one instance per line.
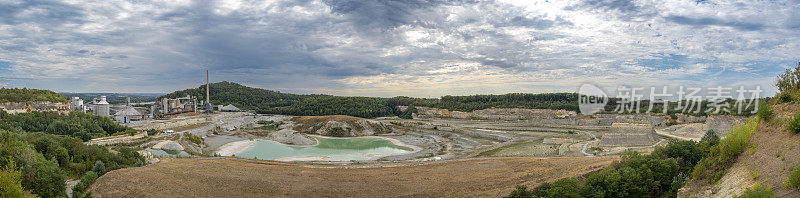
x=76, y=124
x=224, y=93
x=41, y=149
x=29, y=95
x=273, y=102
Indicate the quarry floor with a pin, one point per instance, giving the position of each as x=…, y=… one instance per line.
x=492, y=177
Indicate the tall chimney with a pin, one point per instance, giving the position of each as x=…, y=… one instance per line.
x=208, y=95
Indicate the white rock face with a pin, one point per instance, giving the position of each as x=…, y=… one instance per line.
x=172, y=146
x=288, y=136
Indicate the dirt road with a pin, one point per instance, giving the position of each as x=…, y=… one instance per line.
x=238, y=178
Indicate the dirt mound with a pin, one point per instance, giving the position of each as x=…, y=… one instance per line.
x=240, y=178
x=339, y=125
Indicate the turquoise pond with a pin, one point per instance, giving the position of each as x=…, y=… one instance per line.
x=335, y=149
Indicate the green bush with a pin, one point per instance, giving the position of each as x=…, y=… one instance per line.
x=793, y=180
x=11, y=181
x=723, y=154
x=566, y=187
x=785, y=97
x=152, y=132
x=735, y=142
x=408, y=113
x=765, y=111
x=46, y=180
x=86, y=181
x=520, y=192
x=758, y=191
x=337, y=132
x=194, y=139
x=99, y=167
x=710, y=137
x=794, y=124
x=789, y=80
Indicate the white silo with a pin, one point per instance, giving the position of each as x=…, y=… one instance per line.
x=102, y=108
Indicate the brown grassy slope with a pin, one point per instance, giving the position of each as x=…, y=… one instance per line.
x=776, y=151
x=772, y=153
x=235, y=178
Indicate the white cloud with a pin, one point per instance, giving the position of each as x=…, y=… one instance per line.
x=389, y=48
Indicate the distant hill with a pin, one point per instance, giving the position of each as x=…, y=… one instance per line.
x=30, y=95
x=273, y=102
x=224, y=93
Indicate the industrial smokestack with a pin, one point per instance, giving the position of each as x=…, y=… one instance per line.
x=208, y=95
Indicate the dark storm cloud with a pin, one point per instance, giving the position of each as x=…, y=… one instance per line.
x=714, y=21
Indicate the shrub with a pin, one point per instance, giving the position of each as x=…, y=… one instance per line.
x=711, y=137
x=86, y=181
x=789, y=80
x=520, y=192
x=408, y=113
x=758, y=191
x=337, y=132
x=785, y=97
x=99, y=167
x=11, y=181
x=754, y=174
x=765, y=111
x=736, y=141
x=566, y=187
x=688, y=153
x=793, y=180
x=723, y=154
x=794, y=124
x=194, y=139
x=152, y=132
x=46, y=180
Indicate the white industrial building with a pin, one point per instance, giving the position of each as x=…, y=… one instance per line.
x=77, y=105
x=102, y=108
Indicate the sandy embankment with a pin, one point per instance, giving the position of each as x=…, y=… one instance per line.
x=232, y=148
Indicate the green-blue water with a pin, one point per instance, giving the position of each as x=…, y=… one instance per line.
x=336, y=149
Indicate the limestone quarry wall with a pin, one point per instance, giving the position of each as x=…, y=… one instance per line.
x=723, y=123
x=626, y=134
x=542, y=116
x=493, y=113
x=690, y=118
x=608, y=119
x=24, y=107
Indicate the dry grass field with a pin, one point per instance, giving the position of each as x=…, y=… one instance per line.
x=237, y=178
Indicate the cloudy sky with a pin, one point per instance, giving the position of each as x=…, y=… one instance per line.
x=421, y=48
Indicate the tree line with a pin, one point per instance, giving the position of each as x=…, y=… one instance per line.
x=273, y=102
x=29, y=95
x=75, y=124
